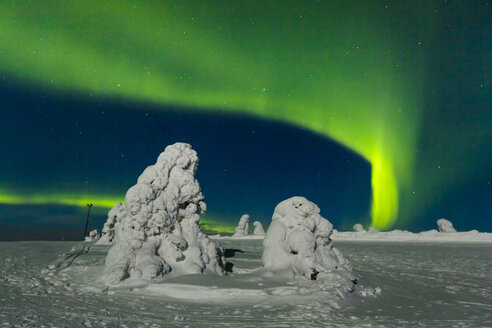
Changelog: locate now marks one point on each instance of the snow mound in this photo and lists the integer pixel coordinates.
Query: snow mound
(358, 227)
(156, 231)
(372, 230)
(259, 231)
(445, 226)
(298, 244)
(242, 228)
(93, 236)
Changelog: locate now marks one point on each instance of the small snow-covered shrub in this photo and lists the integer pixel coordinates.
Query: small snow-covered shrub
(259, 231)
(242, 228)
(445, 226)
(358, 227)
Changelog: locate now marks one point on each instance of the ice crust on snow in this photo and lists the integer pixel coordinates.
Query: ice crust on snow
(297, 243)
(242, 228)
(156, 231)
(358, 227)
(445, 225)
(258, 231)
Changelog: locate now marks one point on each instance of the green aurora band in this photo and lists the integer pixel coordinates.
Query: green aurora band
(103, 204)
(334, 67)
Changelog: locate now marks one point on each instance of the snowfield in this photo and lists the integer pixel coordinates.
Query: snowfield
(407, 236)
(58, 284)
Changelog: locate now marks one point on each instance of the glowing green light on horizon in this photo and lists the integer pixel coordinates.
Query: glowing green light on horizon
(320, 71)
(100, 203)
(69, 200)
(385, 194)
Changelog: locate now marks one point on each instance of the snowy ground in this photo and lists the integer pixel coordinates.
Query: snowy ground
(407, 236)
(54, 284)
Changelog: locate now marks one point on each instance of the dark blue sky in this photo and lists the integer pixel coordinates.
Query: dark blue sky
(63, 143)
(56, 142)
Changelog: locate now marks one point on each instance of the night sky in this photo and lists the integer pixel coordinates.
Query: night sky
(379, 112)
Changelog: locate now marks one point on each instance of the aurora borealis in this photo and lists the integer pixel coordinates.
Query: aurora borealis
(377, 77)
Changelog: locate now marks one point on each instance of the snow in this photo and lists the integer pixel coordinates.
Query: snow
(358, 227)
(242, 228)
(430, 236)
(258, 231)
(156, 232)
(56, 284)
(114, 217)
(407, 236)
(93, 236)
(445, 226)
(245, 237)
(297, 244)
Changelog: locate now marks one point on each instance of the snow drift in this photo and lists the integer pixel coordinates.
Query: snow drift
(242, 228)
(156, 231)
(298, 244)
